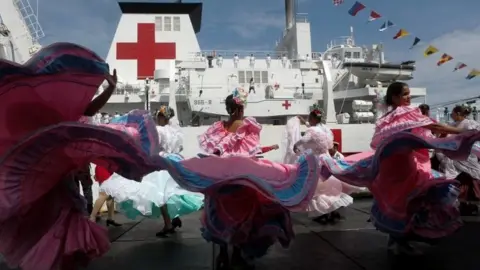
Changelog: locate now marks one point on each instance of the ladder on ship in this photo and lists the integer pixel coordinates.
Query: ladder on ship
(31, 22)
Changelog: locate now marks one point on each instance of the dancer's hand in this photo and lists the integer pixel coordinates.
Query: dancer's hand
(275, 147)
(112, 79)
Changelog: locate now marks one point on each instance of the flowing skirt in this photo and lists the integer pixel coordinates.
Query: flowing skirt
(248, 201)
(156, 190)
(411, 200)
(36, 187)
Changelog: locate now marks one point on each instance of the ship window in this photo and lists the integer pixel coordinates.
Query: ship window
(249, 75)
(176, 23)
(256, 77)
(356, 55)
(347, 54)
(168, 23)
(158, 23)
(241, 77)
(264, 76)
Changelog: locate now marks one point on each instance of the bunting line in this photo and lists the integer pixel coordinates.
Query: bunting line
(359, 7)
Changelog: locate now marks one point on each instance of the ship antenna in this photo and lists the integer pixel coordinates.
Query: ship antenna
(352, 36)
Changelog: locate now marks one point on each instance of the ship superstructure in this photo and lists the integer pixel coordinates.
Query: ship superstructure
(159, 61)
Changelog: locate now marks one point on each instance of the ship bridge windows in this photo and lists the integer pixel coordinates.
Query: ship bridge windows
(158, 23)
(241, 77)
(167, 23)
(264, 76)
(356, 55)
(348, 54)
(176, 23)
(244, 76)
(256, 77)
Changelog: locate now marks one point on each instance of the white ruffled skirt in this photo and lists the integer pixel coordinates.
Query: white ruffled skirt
(145, 198)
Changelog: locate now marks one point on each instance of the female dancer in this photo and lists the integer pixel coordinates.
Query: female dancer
(57, 86)
(247, 200)
(465, 171)
(330, 194)
(157, 194)
(412, 202)
(101, 175)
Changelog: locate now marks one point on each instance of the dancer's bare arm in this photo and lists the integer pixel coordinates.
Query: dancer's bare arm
(97, 103)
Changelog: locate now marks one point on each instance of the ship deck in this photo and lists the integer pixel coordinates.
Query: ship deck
(352, 244)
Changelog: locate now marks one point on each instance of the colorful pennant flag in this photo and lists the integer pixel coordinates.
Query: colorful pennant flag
(337, 2)
(474, 73)
(401, 33)
(459, 65)
(445, 58)
(415, 42)
(374, 16)
(356, 8)
(430, 50)
(386, 25)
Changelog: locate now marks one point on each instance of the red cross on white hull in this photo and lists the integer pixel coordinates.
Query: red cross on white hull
(145, 50)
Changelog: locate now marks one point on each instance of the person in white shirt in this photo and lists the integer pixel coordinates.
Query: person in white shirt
(269, 60)
(252, 60)
(284, 60)
(334, 152)
(219, 61)
(235, 61)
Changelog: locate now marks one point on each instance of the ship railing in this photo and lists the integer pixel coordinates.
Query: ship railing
(259, 55)
(337, 42)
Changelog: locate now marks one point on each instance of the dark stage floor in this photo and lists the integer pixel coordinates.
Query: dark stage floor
(351, 244)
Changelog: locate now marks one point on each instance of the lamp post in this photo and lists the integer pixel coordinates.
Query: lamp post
(147, 94)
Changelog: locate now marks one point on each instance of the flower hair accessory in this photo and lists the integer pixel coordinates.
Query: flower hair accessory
(240, 96)
(164, 110)
(317, 112)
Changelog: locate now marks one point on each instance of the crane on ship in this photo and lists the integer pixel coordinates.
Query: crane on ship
(20, 30)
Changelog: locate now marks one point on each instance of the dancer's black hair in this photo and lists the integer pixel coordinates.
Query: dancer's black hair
(316, 114)
(393, 90)
(231, 105)
(462, 110)
(424, 108)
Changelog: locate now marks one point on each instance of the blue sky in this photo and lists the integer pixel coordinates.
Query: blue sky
(453, 26)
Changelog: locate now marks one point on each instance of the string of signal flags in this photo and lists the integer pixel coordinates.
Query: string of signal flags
(358, 8)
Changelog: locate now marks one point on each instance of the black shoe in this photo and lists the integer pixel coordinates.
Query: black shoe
(176, 223)
(165, 232)
(111, 222)
(222, 263)
(323, 219)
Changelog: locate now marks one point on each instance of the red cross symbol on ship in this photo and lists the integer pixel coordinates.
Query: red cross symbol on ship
(286, 104)
(146, 50)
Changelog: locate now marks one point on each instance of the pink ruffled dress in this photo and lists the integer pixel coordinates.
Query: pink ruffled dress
(411, 200)
(330, 194)
(43, 225)
(247, 200)
(244, 142)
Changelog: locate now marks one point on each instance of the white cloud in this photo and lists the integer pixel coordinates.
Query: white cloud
(443, 84)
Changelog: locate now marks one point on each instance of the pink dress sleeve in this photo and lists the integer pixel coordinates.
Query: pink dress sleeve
(403, 118)
(244, 142)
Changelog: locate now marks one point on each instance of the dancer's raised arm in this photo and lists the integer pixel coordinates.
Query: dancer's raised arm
(102, 99)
